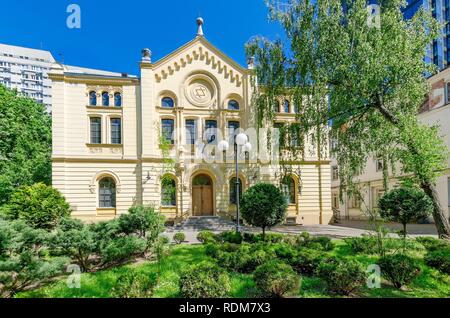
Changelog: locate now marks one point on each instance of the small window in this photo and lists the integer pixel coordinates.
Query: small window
(167, 129)
(335, 173)
(167, 102)
(211, 131)
(233, 105)
(93, 99)
(379, 164)
(233, 190)
(286, 106)
(107, 193)
(191, 131)
(168, 193)
(355, 202)
(233, 127)
(118, 99)
(288, 187)
(335, 200)
(105, 99)
(116, 131)
(276, 107)
(282, 134)
(96, 130)
(296, 108)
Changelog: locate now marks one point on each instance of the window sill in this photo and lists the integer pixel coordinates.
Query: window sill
(106, 211)
(105, 145)
(117, 109)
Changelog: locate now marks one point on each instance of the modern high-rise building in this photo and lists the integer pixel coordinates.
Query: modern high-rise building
(26, 70)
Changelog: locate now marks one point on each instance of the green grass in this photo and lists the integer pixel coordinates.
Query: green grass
(430, 283)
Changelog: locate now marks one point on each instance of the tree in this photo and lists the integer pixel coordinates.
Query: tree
(25, 143)
(405, 205)
(367, 81)
(39, 205)
(264, 205)
(23, 258)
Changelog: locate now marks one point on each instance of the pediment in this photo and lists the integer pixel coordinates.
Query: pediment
(202, 50)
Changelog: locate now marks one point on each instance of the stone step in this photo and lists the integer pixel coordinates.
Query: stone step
(206, 223)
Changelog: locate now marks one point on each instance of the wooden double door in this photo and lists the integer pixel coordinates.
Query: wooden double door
(202, 196)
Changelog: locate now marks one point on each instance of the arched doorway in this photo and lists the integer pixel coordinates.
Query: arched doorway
(202, 196)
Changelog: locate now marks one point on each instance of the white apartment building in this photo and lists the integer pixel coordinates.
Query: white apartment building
(26, 70)
(435, 111)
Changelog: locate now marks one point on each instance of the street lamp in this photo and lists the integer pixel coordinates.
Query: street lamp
(240, 140)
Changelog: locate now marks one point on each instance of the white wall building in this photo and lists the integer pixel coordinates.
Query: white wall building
(26, 70)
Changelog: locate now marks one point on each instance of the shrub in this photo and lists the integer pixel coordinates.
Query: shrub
(342, 276)
(284, 251)
(439, 259)
(263, 205)
(74, 239)
(230, 237)
(206, 237)
(142, 221)
(122, 248)
(432, 244)
(134, 285)
(204, 280)
(399, 269)
(269, 237)
(315, 242)
(405, 205)
(179, 237)
(276, 279)
(39, 205)
(306, 261)
(211, 249)
(365, 244)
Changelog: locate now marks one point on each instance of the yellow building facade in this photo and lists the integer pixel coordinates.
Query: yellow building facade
(108, 130)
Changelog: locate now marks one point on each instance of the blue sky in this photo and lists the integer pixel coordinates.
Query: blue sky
(113, 33)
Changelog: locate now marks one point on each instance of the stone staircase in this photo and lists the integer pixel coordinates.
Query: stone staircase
(210, 223)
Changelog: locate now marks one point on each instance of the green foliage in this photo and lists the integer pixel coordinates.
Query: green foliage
(365, 244)
(242, 258)
(405, 205)
(230, 237)
(121, 249)
(341, 275)
(263, 205)
(306, 261)
(439, 259)
(134, 285)
(24, 259)
(179, 237)
(143, 221)
(73, 238)
(38, 205)
(276, 279)
(204, 280)
(399, 269)
(25, 143)
(206, 237)
(432, 244)
(315, 242)
(268, 237)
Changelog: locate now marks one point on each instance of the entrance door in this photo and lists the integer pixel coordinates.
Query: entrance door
(202, 196)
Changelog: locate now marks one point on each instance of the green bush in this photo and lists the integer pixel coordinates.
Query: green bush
(142, 221)
(322, 243)
(39, 205)
(212, 250)
(341, 275)
(306, 261)
(366, 244)
(439, 259)
(230, 237)
(399, 269)
(285, 251)
(179, 237)
(204, 280)
(276, 279)
(269, 238)
(121, 249)
(206, 237)
(134, 285)
(263, 205)
(432, 244)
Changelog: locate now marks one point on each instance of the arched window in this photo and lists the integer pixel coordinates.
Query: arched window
(168, 192)
(105, 99)
(233, 105)
(92, 98)
(167, 102)
(288, 187)
(107, 193)
(118, 99)
(233, 190)
(286, 106)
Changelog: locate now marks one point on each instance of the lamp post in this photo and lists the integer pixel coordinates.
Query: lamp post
(240, 140)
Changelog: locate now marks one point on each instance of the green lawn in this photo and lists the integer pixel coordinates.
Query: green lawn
(430, 283)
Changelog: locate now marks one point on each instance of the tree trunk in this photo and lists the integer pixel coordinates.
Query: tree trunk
(439, 215)
(264, 233)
